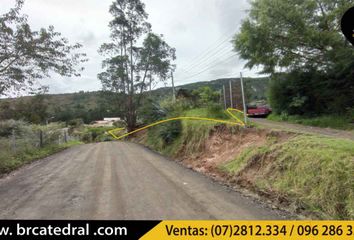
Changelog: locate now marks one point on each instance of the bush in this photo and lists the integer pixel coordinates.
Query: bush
(215, 110)
(25, 145)
(74, 123)
(86, 137)
(165, 134)
(176, 108)
(288, 94)
(206, 96)
(170, 131)
(7, 127)
(120, 124)
(95, 134)
(311, 93)
(151, 111)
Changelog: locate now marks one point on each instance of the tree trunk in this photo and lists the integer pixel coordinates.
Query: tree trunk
(131, 117)
(131, 114)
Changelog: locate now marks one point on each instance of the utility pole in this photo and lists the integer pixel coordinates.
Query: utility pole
(173, 88)
(224, 93)
(231, 100)
(243, 99)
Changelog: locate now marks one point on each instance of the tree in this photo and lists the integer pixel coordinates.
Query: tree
(129, 68)
(26, 55)
(288, 34)
(37, 111)
(301, 38)
(206, 96)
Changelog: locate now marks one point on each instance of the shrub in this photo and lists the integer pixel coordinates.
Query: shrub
(120, 124)
(215, 110)
(86, 137)
(151, 111)
(170, 131)
(6, 127)
(206, 96)
(76, 122)
(176, 108)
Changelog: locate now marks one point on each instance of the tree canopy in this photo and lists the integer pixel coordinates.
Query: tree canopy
(303, 38)
(131, 67)
(27, 55)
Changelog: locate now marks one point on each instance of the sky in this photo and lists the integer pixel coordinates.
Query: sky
(200, 30)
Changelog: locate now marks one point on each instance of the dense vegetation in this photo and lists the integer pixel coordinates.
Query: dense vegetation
(300, 44)
(308, 172)
(21, 143)
(186, 135)
(311, 173)
(136, 58)
(87, 106)
(92, 106)
(27, 55)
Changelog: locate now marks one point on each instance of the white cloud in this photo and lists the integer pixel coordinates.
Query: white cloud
(191, 26)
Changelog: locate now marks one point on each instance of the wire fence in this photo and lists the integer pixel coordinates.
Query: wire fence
(19, 137)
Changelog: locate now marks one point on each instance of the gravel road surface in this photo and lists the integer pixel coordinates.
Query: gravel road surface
(304, 129)
(119, 180)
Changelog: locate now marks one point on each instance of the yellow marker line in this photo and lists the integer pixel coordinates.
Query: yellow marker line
(228, 111)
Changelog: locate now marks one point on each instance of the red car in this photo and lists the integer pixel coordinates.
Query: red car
(258, 111)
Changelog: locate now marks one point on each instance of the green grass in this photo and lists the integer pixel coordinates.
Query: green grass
(241, 161)
(315, 172)
(193, 133)
(10, 161)
(206, 113)
(329, 121)
(96, 134)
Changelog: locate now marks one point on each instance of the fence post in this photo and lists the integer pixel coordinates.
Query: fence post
(231, 97)
(243, 99)
(40, 138)
(224, 93)
(65, 137)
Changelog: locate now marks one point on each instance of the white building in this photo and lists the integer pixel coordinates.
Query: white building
(106, 122)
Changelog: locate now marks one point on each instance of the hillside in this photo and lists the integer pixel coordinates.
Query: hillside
(256, 88)
(91, 106)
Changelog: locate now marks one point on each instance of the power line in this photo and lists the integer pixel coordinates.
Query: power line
(211, 67)
(216, 55)
(210, 53)
(217, 42)
(220, 59)
(211, 48)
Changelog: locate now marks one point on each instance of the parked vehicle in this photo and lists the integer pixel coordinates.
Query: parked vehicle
(258, 111)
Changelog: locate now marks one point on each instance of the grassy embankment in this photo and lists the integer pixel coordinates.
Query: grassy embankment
(315, 173)
(11, 161)
(27, 151)
(191, 136)
(312, 173)
(20, 143)
(330, 121)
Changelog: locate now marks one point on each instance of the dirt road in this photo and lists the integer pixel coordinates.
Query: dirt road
(119, 180)
(304, 129)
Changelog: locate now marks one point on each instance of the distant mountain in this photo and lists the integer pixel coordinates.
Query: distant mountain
(96, 105)
(256, 88)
